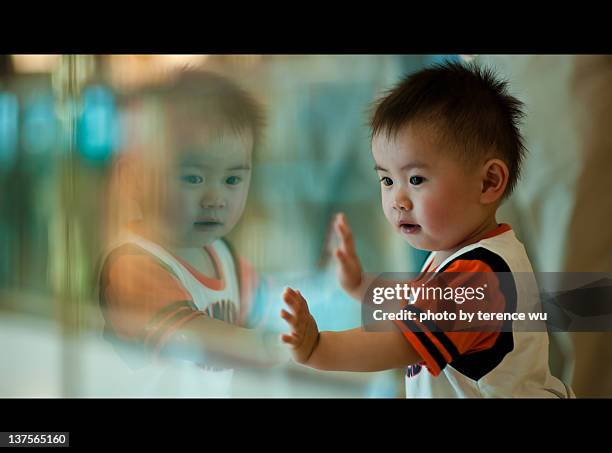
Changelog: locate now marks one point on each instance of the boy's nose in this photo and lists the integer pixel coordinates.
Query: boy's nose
(212, 203)
(401, 202)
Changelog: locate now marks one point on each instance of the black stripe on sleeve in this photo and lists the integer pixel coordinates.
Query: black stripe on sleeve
(476, 365)
(441, 336)
(159, 331)
(426, 342)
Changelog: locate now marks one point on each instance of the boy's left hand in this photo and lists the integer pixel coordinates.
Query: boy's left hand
(350, 273)
(304, 331)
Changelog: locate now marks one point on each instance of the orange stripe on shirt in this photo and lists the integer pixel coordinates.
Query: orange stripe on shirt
(468, 272)
(137, 286)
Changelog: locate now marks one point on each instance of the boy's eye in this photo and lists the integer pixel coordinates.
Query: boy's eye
(233, 180)
(416, 180)
(192, 179)
(386, 181)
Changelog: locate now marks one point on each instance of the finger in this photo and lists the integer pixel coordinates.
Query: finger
(289, 339)
(342, 258)
(346, 235)
(288, 290)
(295, 301)
(291, 320)
(290, 298)
(303, 305)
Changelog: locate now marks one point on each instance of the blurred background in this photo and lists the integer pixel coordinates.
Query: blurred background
(62, 125)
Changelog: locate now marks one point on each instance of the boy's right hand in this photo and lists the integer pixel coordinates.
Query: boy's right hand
(304, 334)
(350, 273)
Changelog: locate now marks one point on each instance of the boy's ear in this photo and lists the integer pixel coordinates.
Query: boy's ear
(494, 180)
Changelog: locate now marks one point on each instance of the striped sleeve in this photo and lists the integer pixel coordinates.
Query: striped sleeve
(143, 300)
(442, 342)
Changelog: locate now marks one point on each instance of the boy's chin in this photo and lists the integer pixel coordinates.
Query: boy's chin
(420, 244)
(196, 239)
(201, 239)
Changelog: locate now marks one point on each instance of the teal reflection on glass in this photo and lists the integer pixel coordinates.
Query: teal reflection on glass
(9, 109)
(40, 127)
(97, 127)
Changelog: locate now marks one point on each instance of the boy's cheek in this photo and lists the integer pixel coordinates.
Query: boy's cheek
(176, 214)
(388, 211)
(386, 203)
(236, 207)
(435, 218)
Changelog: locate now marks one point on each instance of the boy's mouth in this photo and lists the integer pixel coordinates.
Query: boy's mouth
(207, 225)
(409, 228)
